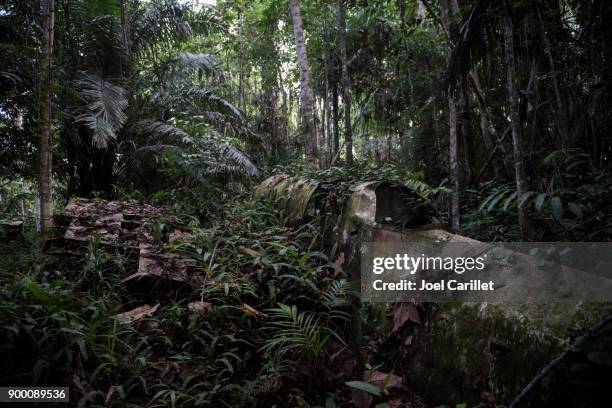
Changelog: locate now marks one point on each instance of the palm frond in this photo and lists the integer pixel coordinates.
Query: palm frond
(295, 331)
(234, 155)
(163, 131)
(160, 22)
(104, 110)
(6, 76)
(211, 97)
(202, 63)
(337, 293)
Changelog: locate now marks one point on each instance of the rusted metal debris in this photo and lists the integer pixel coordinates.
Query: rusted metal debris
(138, 230)
(351, 204)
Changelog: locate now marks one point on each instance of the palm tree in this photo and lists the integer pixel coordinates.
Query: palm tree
(132, 93)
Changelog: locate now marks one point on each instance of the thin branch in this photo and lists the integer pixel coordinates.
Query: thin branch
(498, 145)
(331, 164)
(436, 17)
(592, 332)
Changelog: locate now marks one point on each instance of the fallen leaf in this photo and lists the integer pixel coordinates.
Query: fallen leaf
(360, 398)
(398, 403)
(136, 314)
(381, 380)
(110, 394)
(82, 387)
(179, 235)
(488, 398)
(199, 307)
(251, 311)
(248, 251)
(147, 326)
(339, 261)
(404, 312)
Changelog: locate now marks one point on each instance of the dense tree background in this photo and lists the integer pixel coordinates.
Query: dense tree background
(135, 83)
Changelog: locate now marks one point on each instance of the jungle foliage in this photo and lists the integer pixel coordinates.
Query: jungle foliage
(493, 112)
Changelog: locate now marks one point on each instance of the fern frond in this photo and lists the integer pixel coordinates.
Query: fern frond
(295, 331)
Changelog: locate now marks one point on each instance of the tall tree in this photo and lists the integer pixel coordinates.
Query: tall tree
(336, 130)
(446, 13)
(44, 125)
(346, 96)
(515, 121)
(307, 105)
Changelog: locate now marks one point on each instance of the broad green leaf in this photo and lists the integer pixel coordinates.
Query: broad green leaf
(539, 201)
(599, 357)
(575, 209)
(364, 386)
(509, 200)
(496, 200)
(557, 207)
(524, 198)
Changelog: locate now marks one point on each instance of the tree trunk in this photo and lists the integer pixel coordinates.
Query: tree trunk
(346, 97)
(328, 116)
(306, 95)
(336, 119)
(515, 121)
(124, 25)
(44, 125)
(452, 124)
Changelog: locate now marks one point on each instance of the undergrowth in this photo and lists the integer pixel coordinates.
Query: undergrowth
(277, 313)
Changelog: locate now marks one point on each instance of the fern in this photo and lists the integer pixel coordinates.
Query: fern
(295, 331)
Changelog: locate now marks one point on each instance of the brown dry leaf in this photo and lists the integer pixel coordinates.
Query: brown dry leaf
(179, 235)
(149, 266)
(82, 386)
(248, 251)
(398, 403)
(251, 311)
(381, 380)
(148, 326)
(488, 398)
(403, 312)
(110, 394)
(338, 263)
(137, 313)
(361, 399)
(199, 307)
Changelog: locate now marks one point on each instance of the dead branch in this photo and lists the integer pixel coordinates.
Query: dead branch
(592, 332)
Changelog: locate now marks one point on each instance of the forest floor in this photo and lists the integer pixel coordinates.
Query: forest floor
(260, 317)
(76, 321)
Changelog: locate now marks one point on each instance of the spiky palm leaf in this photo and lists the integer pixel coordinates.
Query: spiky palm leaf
(189, 62)
(105, 105)
(160, 22)
(163, 131)
(292, 330)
